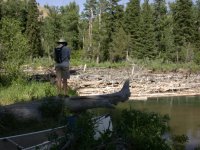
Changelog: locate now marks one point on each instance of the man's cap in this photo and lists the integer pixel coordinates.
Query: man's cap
(62, 41)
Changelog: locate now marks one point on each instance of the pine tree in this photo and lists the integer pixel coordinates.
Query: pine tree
(197, 32)
(160, 16)
(183, 28)
(69, 24)
(168, 41)
(119, 46)
(33, 30)
(113, 21)
(114, 18)
(132, 24)
(147, 49)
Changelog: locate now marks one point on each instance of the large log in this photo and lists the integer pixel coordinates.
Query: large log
(75, 104)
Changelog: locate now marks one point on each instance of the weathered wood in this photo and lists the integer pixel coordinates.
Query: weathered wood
(80, 103)
(144, 83)
(74, 104)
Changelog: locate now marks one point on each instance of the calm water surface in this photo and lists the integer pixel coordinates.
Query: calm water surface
(184, 114)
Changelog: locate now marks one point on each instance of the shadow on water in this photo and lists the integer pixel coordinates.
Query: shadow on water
(184, 113)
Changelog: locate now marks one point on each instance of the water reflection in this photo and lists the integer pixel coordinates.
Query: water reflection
(184, 114)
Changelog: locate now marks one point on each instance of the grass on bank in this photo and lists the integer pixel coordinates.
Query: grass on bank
(159, 66)
(24, 91)
(21, 90)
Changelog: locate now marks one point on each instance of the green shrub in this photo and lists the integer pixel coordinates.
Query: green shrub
(83, 132)
(132, 130)
(141, 130)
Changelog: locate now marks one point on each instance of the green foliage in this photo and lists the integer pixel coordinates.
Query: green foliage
(113, 19)
(33, 30)
(69, 24)
(154, 31)
(196, 34)
(133, 129)
(83, 132)
(39, 62)
(105, 64)
(51, 30)
(143, 130)
(147, 49)
(15, 46)
(183, 25)
(60, 22)
(167, 52)
(160, 24)
(132, 18)
(77, 57)
(88, 14)
(88, 6)
(159, 65)
(14, 9)
(119, 46)
(197, 58)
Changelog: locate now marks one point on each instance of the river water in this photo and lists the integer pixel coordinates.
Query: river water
(184, 114)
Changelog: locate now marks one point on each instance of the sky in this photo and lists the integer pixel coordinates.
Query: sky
(65, 2)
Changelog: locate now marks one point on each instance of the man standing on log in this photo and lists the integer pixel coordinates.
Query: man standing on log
(62, 59)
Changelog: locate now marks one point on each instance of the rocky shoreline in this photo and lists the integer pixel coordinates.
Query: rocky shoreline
(143, 83)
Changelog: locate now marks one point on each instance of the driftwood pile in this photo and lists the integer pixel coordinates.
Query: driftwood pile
(143, 83)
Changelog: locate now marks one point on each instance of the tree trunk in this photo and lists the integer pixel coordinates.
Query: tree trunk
(31, 109)
(99, 43)
(177, 56)
(90, 33)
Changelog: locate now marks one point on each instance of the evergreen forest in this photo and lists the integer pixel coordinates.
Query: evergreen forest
(104, 31)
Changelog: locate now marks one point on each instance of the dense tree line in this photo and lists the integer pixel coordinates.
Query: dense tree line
(103, 31)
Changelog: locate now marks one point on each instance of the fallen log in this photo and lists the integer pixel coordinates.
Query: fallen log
(31, 109)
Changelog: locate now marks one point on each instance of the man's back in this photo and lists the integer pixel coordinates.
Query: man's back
(65, 54)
